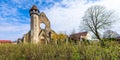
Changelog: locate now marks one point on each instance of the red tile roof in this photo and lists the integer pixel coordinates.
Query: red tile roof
(77, 36)
(5, 41)
(81, 34)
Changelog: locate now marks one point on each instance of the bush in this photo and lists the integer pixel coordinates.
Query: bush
(92, 51)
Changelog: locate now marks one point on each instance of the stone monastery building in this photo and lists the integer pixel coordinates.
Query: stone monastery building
(36, 33)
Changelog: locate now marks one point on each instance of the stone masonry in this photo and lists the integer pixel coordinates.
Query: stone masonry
(36, 33)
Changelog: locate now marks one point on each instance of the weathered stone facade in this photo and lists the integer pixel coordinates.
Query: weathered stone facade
(36, 33)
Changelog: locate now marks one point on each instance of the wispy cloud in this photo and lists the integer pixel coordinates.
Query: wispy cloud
(64, 15)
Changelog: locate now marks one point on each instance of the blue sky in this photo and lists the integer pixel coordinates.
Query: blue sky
(64, 15)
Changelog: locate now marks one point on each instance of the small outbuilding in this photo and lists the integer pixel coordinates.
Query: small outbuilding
(79, 36)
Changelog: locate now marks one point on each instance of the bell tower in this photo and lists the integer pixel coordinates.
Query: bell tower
(37, 34)
(34, 26)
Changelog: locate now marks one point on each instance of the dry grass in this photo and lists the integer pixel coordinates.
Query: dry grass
(92, 51)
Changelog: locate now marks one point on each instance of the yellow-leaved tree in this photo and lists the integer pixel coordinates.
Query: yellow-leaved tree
(58, 37)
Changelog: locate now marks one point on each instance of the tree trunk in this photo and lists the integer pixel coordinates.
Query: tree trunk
(100, 40)
(98, 37)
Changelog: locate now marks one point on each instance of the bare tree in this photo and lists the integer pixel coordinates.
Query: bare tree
(97, 18)
(110, 34)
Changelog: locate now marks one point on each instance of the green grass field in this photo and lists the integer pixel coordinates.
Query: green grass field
(82, 51)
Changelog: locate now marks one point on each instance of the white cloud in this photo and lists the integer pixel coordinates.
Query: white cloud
(13, 32)
(69, 17)
(10, 26)
(64, 16)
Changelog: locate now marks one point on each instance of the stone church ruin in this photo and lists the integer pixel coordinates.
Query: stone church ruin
(38, 34)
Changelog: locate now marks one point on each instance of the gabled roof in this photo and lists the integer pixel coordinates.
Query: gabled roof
(77, 36)
(81, 33)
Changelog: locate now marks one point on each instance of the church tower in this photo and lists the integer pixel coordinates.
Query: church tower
(34, 26)
(37, 34)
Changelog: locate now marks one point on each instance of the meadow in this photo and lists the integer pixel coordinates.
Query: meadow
(70, 51)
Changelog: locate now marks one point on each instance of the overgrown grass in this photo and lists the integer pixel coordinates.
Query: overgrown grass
(82, 51)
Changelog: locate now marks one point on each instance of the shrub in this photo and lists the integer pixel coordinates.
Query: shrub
(70, 51)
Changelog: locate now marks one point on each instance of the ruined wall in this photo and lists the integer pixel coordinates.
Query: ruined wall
(26, 38)
(47, 31)
(36, 33)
